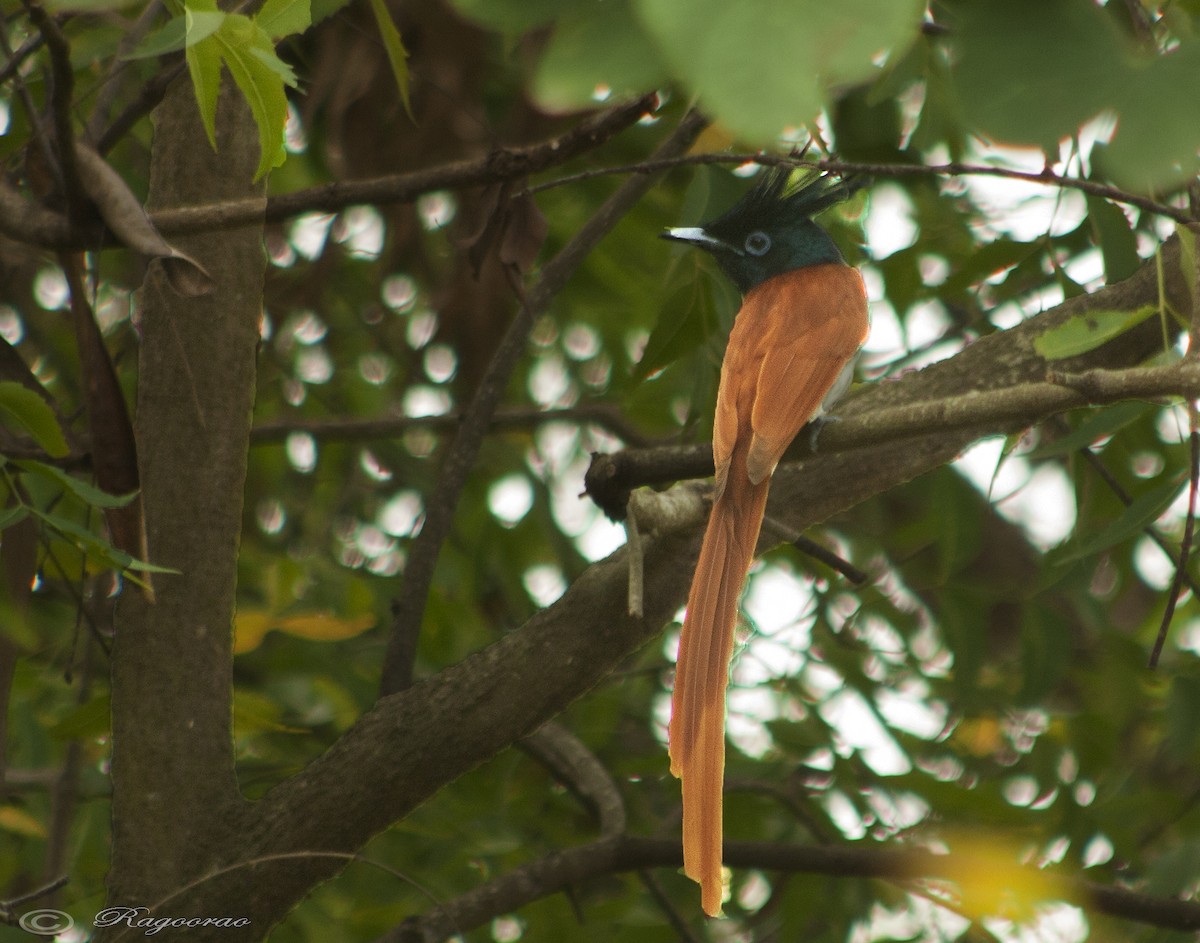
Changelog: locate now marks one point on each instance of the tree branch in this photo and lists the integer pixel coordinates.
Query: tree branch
(22, 221)
(952, 169)
(610, 478)
(344, 429)
(61, 104)
(561, 870)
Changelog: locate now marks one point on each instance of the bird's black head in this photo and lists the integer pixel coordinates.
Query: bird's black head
(770, 230)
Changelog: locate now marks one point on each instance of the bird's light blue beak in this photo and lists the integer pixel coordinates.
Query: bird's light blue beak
(695, 236)
(692, 234)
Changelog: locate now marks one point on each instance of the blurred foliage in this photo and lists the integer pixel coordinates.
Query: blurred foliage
(986, 691)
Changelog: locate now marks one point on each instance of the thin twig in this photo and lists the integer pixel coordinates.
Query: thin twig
(460, 459)
(580, 770)
(64, 794)
(61, 103)
(1189, 528)
(146, 100)
(660, 896)
(1127, 499)
(16, 59)
(361, 430)
(110, 87)
(44, 149)
(952, 169)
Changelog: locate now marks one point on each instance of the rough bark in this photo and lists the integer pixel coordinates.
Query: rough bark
(176, 806)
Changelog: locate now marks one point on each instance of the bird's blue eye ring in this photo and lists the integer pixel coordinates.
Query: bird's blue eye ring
(758, 243)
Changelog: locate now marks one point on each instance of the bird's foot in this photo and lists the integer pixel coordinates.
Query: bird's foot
(815, 426)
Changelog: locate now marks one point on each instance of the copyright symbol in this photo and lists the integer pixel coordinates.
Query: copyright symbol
(45, 922)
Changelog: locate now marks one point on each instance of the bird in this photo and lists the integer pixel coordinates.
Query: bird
(790, 354)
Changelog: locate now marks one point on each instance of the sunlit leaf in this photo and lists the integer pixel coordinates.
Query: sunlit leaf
(204, 65)
(280, 18)
(179, 32)
(992, 881)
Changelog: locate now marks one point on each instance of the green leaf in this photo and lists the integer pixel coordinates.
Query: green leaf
(279, 18)
(1088, 331)
(22, 410)
(1035, 86)
(272, 61)
(254, 712)
(99, 549)
(89, 6)
(600, 48)
(986, 261)
(178, 33)
(85, 721)
(204, 66)
(676, 332)
(88, 494)
(245, 47)
(1157, 136)
(246, 51)
(323, 9)
(396, 53)
(1144, 511)
(1104, 423)
(514, 17)
(1187, 258)
(13, 515)
(1114, 236)
(1183, 717)
(761, 66)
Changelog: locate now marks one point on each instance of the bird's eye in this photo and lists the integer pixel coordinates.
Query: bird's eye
(758, 243)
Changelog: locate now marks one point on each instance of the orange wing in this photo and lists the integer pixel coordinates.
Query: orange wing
(803, 328)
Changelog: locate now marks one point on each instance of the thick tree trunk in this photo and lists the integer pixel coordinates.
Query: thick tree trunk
(176, 804)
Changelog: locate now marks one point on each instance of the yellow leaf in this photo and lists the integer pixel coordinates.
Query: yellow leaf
(982, 736)
(993, 883)
(251, 626)
(325, 627)
(17, 820)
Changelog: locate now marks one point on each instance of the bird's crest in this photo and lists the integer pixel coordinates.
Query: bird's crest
(779, 194)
